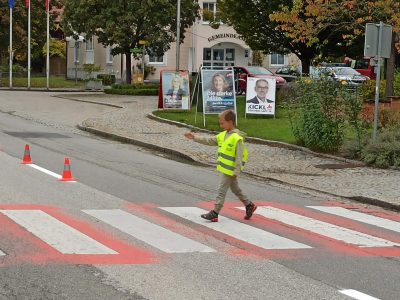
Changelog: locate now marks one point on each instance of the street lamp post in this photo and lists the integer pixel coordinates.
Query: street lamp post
(178, 33)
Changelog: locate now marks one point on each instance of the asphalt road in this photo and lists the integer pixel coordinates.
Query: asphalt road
(139, 182)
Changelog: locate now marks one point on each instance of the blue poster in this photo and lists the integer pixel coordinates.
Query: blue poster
(218, 91)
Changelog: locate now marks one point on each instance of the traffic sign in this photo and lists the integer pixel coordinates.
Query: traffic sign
(375, 33)
(143, 42)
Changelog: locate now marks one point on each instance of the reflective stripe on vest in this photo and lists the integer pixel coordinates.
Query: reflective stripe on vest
(227, 153)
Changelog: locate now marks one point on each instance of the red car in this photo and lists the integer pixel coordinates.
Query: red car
(241, 74)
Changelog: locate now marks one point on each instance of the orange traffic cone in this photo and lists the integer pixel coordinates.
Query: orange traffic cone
(67, 175)
(27, 156)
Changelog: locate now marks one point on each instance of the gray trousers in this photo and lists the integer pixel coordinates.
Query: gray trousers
(225, 183)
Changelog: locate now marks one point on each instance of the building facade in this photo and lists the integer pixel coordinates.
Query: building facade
(203, 46)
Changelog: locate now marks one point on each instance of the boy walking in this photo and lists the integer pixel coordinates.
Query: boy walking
(232, 155)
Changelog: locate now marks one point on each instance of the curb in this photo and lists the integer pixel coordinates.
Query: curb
(127, 140)
(270, 143)
(51, 90)
(88, 101)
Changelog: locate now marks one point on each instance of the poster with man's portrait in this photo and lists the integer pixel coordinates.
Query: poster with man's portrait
(260, 96)
(175, 89)
(218, 91)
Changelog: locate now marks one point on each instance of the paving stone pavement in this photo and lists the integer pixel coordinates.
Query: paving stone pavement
(296, 167)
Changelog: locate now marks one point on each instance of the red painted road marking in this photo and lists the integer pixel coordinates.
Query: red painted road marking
(38, 252)
(23, 247)
(316, 240)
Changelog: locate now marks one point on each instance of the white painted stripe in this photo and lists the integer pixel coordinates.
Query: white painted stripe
(48, 172)
(249, 234)
(361, 217)
(2, 253)
(357, 295)
(326, 229)
(45, 171)
(152, 234)
(60, 236)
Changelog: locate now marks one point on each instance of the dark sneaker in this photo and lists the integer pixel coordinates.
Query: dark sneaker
(211, 216)
(250, 209)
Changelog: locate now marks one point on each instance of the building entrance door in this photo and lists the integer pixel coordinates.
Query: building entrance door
(223, 57)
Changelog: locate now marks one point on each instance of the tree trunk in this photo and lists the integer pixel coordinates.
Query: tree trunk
(305, 54)
(128, 65)
(390, 68)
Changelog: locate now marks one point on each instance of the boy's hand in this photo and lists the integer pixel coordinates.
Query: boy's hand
(189, 135)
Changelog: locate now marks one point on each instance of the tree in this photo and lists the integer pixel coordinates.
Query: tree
(20, 30)
(251, 19)
(122, 24)
(310, 21)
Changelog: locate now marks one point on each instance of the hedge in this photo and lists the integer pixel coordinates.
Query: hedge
(132, 92)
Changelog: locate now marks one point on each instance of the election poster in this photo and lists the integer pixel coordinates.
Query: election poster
(175, 89)
(218, 91)
(260, 96)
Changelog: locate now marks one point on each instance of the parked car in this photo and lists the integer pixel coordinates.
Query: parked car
(340, 74)
(289, 73)
(365, 66)
(241, 74)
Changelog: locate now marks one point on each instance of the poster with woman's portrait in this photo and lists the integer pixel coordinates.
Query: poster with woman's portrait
(218, 91)
(175, 89)
(260, 96)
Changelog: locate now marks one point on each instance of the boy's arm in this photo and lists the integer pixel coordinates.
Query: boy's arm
(211, 141)
(238, 158)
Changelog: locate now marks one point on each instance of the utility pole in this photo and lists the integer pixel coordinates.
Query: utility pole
(178, 33)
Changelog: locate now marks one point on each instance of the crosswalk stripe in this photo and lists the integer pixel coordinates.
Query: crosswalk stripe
(326, 229)
(57, 234)
(152, 234)
(240, 231)
(358, 216)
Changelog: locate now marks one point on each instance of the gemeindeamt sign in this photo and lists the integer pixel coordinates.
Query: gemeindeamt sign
(225, 36)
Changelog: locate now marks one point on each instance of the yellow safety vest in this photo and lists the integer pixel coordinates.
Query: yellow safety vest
(227, 153)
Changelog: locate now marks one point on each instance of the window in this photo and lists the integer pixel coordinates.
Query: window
(218, 54)
(90, 51)
(277, 59)
(76, 53)
(109, 56)
(218, 57)
(230, 54)
(156, 60)
(207, 54)
(209, 11)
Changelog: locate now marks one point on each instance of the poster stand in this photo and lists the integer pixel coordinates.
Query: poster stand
(246, 99)
(183, 81)
(199, 83)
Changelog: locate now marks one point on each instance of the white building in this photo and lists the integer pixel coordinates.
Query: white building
(203, 45)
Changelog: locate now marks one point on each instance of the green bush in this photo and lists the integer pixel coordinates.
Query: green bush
(396, 83)
(107, 79)
(317, 114)
(15, 68)
(135, 86)
(385, 152)
(368, 88)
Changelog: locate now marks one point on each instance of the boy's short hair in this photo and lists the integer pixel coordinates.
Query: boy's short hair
(229, 115)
